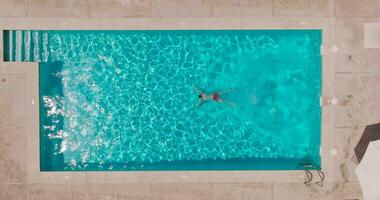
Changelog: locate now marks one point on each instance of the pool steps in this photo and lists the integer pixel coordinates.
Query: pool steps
(26, 46)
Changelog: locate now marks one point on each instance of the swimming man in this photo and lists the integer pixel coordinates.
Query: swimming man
(215, 96)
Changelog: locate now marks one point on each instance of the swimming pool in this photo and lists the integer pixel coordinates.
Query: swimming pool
(125, 100)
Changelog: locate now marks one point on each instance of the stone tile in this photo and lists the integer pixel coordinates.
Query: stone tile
(329, 191)
(129, 191)
(357, 8)
(81, 191)
(58, 8)
(12, 155)
(345, 161)
(179, 8)
(18, 68)
(101, 192)
(120, 191)
(327, 143)
(32, 83)
(183, 191)
(242, 191)
(242, 8)
(90, 23)
(351, 55)
(372, 35)
(298, 191)
(359, 96)
(1, 47)
(32, 101)
(343, 113)
(295, 191)
(13, 192)
(328, 72)
(362, 61)
(349, 35)
(13, 8)
(33, 112)
(304, 8)
(49, 192)
(322, 193)
(120, 8)
(12, 100)
(349, 190)
(33, 146)
(13, 23)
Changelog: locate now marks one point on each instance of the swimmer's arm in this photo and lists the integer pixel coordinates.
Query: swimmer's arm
(198, 89)
(199, 104)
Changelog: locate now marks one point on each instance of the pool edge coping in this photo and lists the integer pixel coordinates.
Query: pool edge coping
(327, 25)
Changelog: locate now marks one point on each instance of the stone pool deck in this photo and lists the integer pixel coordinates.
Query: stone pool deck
(351, 73)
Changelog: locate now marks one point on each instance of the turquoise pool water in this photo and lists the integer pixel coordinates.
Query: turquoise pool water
(125, 100)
